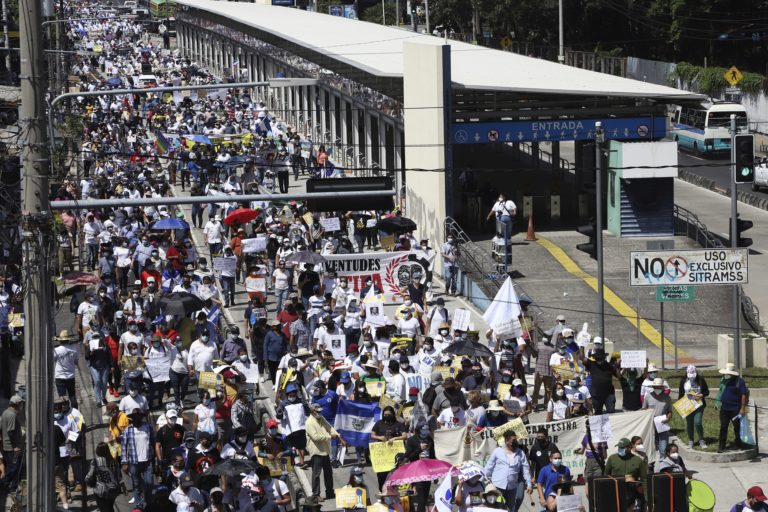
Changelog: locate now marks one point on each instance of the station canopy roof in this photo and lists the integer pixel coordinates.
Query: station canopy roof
(377, 51)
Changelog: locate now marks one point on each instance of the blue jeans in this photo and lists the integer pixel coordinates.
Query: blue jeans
(100, 379)
(514, 497)
(662, 440)
(451, 275)
(507, 221)
(180, 384)
(142, 480)
(228, 289)
(92, 255)
(281, 296)
(66, 387)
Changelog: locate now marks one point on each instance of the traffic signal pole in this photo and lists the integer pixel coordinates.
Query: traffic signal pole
(735, 244)
(599, 139)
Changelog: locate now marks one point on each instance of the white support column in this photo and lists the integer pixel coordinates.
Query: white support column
(356, 142)
(367, 140)
(343, 122)
(382, 143)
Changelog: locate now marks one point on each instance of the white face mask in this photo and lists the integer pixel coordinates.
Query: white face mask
(674, 456)
(639, 448)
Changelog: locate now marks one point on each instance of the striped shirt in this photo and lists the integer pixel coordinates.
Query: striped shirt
(137, 444)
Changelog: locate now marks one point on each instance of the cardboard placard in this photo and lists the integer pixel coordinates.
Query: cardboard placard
(350, 497)
(307, 219)
(403, 343)
(209, 380)
(503, 390)
(600, 427)
(686, 405)
(508, 329)
(407, 413)
(516, 425)
(225, 264)
(383, 454)
(445, 371)
(567, 369)
(375, 389)
(633, 358)
(568, 503)
(387, 242)
(132, 363)
(331, 224)
(460, 320)
(252, 245)
(255, 284)
(337, 345)
(278, 467)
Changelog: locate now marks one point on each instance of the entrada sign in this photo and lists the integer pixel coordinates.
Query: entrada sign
(696, 267)
(552, 130)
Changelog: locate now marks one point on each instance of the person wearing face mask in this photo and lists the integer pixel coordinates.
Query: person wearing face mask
(630, 381)
(369, 349)
(661, 404)
(450, 253)
(244, 414)
(204, 420)
(169, 437)
(505, 467)
(672, 462)
(388, 428)
(88, 313)
(179, 372)
(141, 254)
(328, 401)
(247, 369)
(357, 481)
(118, 421)
(123, 263)
(135, 399)
(755, 502)
(134, 306)
(275, 488)
(557, 407)
(273, 446)
(204, 456)
(469, 493)
(601, 372)
(556, 332)
(504, 211)
(437, 317)
(732, 400)
(647, 386)
(453, 416)
(409, 325)
(202, 352)
(541, 451)
(292, 413)
(232, 345)
(443, 337)
(624, 463)
(186, 496)
(694, 386)
(342, 294)
(367, 288)
(319, 434)
(240, 447)
(549, 477)
(137, 456)
(99, 362)
(396, 384)
(158, 362)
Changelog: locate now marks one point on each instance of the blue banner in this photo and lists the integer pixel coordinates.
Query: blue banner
(553, 130)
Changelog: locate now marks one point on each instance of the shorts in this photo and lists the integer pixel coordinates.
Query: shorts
(297, 439)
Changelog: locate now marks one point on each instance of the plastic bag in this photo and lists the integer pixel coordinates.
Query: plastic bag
(746, 432)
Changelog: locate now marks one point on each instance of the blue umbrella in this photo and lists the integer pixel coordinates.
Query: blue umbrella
(169, 224)
(115, 81)
(202, 139)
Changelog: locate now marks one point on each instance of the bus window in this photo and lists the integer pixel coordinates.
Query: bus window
(723, 119)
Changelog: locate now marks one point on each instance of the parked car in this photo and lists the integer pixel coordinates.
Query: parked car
(761, 174)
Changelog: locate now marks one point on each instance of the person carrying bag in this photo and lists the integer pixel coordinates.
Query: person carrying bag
(104, 477)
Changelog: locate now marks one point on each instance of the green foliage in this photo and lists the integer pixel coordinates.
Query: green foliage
(373, 13)
(711, 80)
(322, 5)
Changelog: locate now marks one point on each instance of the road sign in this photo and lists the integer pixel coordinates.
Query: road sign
(506, 42)
(696, 267)
(675, 293)
(617, 128)
(733, 76)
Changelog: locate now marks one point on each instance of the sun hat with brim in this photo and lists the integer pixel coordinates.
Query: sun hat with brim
(658, 382)
(730, 369)
(273, 323)
(64, 335)
(303, 352)
(494, 405)
(652, 368)
(371, 365)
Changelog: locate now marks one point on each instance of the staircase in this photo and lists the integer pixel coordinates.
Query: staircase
(647, 208)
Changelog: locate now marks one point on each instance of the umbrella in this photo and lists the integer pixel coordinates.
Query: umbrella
(422, 470)
(115, 81)
(241, 216)
(392, 224)
(231, 467)
(80, 278)
(468, 348)
(169, 224)
(306, 257)
(180, 304)
(202, 139)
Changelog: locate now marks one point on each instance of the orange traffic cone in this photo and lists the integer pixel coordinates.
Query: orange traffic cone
(531, 237)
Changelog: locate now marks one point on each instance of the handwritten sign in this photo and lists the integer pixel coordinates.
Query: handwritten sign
(252, 245)
(686, 405)
(255, 284)
(375, 389)
(567, 369)
(331, 224)
(568, 503)
(387, 401)
(225, 264)
(209, 380)
(460, 320)
(383, 454)
(503, 390)
(633, 358)
(508, 329)
(516, 425)
(350, 497)
(445, 371)
(600, 427)
(387, 242)
(307, 217)
(158, 368)
(278, 467)
(133, 363)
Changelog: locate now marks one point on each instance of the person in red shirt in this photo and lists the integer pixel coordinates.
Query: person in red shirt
(114, 372)
(286, 317)
(149, 271)
(176, 254)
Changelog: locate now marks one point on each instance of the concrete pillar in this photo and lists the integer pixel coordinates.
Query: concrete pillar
(323, 117)
(332, 113)
(427, 102)
(368, 150)
(343, 118)
(382, 143)
(356, 142)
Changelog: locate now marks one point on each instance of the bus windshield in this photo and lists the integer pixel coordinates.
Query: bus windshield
(723, 119)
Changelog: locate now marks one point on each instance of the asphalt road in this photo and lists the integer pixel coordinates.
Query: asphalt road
(716, 169)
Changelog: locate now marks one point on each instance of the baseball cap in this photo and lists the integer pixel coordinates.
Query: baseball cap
(272, 423)
(151, 279)
(413, 390)
(756, 493)
(344, 377)
(623, 442)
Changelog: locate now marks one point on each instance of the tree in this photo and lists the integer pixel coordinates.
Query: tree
(373, 13)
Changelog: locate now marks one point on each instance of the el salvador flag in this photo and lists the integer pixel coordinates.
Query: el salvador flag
(354, 421)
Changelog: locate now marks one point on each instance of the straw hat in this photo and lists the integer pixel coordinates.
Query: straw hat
(658, 382)
(494, 405)
(730, 369)
(64, 336)
(652, 368)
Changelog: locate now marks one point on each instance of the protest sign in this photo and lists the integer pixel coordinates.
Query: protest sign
(390, 271)
(515, 425)
(567, 369)
(209, 380)
(375, 389)
(600, 427)
(661, 424)
(331, 224)
(469, 470)
(251, 245)
(460, 320)
(386, 400)
(350, 497)
(686, 406)
(255, 284)
(374, 313)
(225, 264)
(115, 448)
(633, 358)
(568, 503)
(508, 329)
(338, 345)
(383, 454)
(401, 342)
(133, 363)
(158, 368)
(278, 467)
(445, 371)
(387, 242)
(503, 390)
(407, 413)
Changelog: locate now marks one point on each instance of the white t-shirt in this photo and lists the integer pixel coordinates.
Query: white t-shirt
(129, 403)
(201, 355)
(87, 312)
(281, 279)
(65, 362)
(504, 208)
(206, 417)
(178, 497)
(248, 370)
(408, 327)
(449, 419)
(558, 409)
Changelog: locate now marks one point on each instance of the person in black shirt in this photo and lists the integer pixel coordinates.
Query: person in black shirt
(387, 429)
(602, 372)
(631, 384)
(307, 282)
(541, 449)
(359, 220)
(168, 438)
(201, 458)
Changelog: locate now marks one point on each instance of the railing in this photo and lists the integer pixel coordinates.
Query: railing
(546, 156)
(686, 222)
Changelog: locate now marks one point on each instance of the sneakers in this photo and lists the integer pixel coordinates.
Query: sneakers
(690, 445)
(132, 501)
(702, 444)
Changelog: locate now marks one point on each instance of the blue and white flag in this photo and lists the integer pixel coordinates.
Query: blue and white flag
(354, 421)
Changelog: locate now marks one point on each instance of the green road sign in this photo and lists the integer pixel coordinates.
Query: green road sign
(675, 293)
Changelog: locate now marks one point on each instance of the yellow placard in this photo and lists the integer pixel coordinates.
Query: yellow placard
(407, 413)
(209, 380)
(307, 218)
(132, 363)
(383, 454)
(350, 497)
(445, 371)
(375, 389)
(403, 343)
(115, 448)
(387, 242)
(286, 376)
(503, 390)
(686, 406)
(516, 425)
(567, 369)
(279, 466)
(379, 507)
(387, 400)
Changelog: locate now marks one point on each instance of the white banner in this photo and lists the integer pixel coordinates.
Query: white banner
(390, 271)
(158, 368)
(251, 245)
(225, 264)
(450, 445)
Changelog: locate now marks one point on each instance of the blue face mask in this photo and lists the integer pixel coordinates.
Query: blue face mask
(557, 462)
(622, 452)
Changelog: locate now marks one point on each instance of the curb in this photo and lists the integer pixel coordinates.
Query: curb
(699, 456)
(709, 184)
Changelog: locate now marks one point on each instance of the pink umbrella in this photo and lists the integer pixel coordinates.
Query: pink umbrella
(422, 470)
(80, 278)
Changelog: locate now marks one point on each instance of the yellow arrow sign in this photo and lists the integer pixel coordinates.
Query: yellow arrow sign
(733, 76)
(506, 42)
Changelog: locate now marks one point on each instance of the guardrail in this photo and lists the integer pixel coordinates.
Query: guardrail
(688, 223)
(546, 156)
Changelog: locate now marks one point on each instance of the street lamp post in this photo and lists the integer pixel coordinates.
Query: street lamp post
(560, 47)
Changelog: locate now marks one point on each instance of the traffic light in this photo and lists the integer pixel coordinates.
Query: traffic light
(741, 226)
(589, 230)
(745, 158)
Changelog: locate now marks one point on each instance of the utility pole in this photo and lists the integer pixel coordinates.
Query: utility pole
(561, 44)
(735, 245)
(599, 139)
(37, 254)
(426, 14)
(6, 39)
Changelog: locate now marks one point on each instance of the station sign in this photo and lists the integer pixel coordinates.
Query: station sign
(555, 130)
(675, 293)
(695, 267)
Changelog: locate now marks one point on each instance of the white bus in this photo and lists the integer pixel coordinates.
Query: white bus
(703, 129)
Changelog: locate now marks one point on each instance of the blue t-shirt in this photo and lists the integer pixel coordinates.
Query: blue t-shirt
(329, 401)
(548, 477)
(731, 397)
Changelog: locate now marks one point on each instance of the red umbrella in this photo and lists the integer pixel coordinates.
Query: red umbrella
(422, 470)
(80, 278)
(241, 216)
